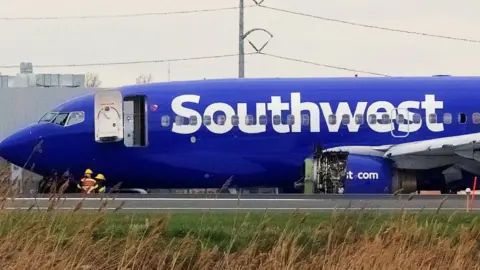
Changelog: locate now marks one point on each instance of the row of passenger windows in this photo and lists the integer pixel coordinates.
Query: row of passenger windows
(332, 119)
(73, 118)
(63, 118)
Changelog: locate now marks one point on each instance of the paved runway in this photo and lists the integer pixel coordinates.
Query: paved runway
(230, 203)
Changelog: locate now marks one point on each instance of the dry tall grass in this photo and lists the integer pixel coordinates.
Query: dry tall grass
(345, 240)
(54, 240)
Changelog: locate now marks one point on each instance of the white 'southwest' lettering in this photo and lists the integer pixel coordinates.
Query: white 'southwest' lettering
(298, 107)
(380, 108)
(403, 109)
(185, 112)
(276, 107)
(342, 109)
(227, 111)
(255, 127)
(430, 105)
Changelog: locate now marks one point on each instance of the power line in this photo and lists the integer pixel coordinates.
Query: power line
(233, 8)
(323, 65)
(120, 15)
(131, 62)
(200, 58)
(369, 26)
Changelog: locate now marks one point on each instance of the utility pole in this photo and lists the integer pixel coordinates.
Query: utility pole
(241, 47)
(242, 36)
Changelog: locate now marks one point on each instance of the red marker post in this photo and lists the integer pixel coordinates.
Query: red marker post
(473, 191)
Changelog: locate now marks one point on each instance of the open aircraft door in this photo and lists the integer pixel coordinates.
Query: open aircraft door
(400, 123)
(108, 116)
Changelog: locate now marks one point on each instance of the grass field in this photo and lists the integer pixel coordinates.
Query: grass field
(342, 240)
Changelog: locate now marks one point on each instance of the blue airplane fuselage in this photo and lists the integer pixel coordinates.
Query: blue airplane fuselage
(196, 155)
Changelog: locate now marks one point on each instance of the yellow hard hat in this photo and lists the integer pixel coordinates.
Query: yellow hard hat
(88, 171)
(100, 177)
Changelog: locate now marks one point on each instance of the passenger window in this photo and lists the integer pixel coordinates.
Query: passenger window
(447, 118)
(179, 120)
(277, 120)
(249, 120)
(165, 121)
(462, 118)
(372, 119)
(359, 119)
(332, 119)
(262, 119)
(61, 119)
(417, 118)
(345, 119)
(48, 117)
(207, 120)
(385, 118)
(290, 119)
(221, 120)
(432, 118)
(75, 118)
(305, 119)
(400, 119)
(235, 120)
(193, 120)
(476, 118)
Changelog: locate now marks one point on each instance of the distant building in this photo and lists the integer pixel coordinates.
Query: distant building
(26, 78)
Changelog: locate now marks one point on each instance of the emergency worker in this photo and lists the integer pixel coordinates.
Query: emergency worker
(88, 173)
(87, 183)
(100, 183)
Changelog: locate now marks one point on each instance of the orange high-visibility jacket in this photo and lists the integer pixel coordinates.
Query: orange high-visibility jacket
(89, 182)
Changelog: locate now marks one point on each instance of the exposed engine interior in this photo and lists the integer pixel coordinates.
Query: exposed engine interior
(330, 169)
(324, 173)
(341, 172)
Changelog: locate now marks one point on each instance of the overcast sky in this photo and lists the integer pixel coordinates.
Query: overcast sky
(214, 33)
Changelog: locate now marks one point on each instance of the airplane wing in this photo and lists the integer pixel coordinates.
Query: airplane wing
(463, 145)
(460, 151)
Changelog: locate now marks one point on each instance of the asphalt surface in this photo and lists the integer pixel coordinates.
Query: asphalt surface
(231, 203)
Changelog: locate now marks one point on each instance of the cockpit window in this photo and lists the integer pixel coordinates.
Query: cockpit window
(75, 118)
(61, 119)
(48, 117)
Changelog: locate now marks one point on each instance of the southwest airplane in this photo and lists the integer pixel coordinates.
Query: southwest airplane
(350, 135)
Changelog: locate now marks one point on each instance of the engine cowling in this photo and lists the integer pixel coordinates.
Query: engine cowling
(367, 174)
(341, 172)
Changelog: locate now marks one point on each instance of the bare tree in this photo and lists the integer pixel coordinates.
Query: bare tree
(144, 79)
(92, 80)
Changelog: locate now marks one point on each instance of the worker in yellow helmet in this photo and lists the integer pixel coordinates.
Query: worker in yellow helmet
(86, 178)
(100, 183)
(88, 173)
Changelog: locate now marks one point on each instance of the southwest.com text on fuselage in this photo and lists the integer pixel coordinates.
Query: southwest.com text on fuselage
(362, 175)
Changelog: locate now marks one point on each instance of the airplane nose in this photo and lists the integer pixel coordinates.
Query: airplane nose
(18, 147)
